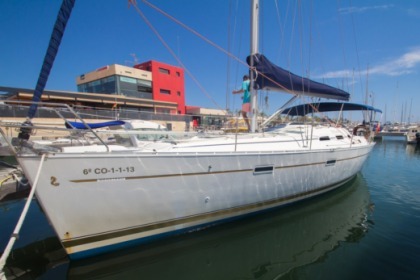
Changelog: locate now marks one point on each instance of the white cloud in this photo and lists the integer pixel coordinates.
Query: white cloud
(336, 74)
(413, 12)
(359, 10)
(400, 66)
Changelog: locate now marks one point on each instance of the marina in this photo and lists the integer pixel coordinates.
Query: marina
(123, 179)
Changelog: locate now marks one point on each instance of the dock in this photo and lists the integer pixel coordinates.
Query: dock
(392, 133)
(381, 134)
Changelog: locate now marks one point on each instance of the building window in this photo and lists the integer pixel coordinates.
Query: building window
(135, 87)
(165, 91)
(164, 71)
(104, 85)
(163, 111)
(178, 93)
(178, 74)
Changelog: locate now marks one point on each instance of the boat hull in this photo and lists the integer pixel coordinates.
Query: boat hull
(112, 200)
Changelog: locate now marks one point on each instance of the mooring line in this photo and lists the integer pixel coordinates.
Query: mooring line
(19, 224)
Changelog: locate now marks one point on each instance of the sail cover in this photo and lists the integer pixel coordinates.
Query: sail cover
(273, 77)
(79, 125)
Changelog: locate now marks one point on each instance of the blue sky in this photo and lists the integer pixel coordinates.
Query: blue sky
(361, 46)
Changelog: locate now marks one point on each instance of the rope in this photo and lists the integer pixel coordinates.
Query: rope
(19, 224)
(5, 180)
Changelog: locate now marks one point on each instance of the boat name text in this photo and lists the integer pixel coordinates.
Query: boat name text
(104, 170)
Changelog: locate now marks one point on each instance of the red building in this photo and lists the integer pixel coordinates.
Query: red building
(168, 84)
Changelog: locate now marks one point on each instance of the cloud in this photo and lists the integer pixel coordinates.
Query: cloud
(359, 10)
(413, 12)
(400, 66)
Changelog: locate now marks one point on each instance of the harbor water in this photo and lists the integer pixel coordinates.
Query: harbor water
(367, 229)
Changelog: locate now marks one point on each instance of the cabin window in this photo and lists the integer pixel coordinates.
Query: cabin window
(324, 138)
(339, 137)
(266, 169)
(330, 162)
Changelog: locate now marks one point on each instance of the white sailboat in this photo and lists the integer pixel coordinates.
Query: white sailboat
(110, 195)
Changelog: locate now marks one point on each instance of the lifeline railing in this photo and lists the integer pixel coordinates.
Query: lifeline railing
(60, 110)
(60, 114)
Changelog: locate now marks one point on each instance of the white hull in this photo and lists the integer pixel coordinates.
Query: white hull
(280, 242)
(412, 134)
(100, 201)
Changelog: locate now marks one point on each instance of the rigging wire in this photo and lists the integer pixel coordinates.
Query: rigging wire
(231, 35)
(342, 41)
(228, 58)
(341, 33)
(189, 29)
(173, 53)
(357, 49)
(278, 17)
(291, 39)
(239, 48)
(134, 4)
(300, 24)
(203, 38)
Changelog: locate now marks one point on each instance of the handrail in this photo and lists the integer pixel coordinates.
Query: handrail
(67, 107)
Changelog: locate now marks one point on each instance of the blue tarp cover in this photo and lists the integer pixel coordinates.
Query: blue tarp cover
(273, 77)
(304, 109)
(80, 125)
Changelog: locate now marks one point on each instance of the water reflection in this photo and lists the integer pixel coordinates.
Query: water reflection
(413, 150)
(264, 247)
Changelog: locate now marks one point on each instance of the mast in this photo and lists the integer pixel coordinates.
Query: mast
(254, 50)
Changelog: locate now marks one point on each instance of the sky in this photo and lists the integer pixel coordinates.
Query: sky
(369, 48)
